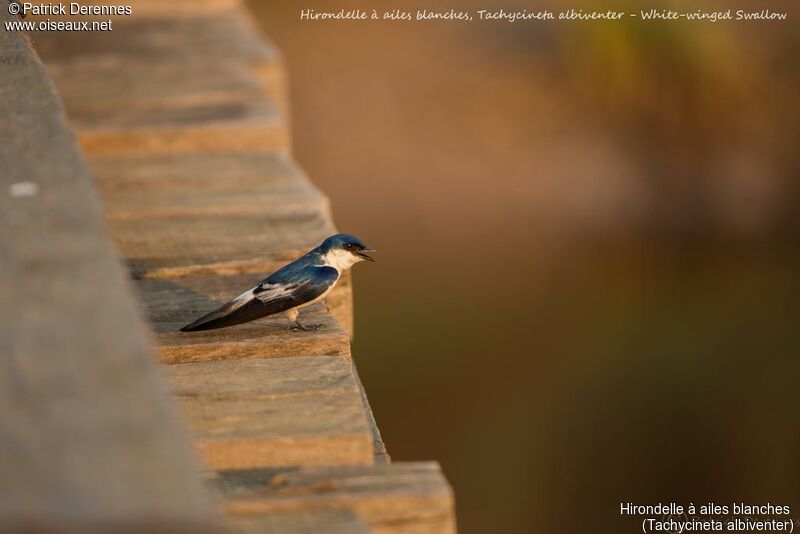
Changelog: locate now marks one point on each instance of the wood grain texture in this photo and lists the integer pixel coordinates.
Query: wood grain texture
(174, 302)
(316, 522)
(217, 40)
(206, 33)
(171, 85)
(89, 437)
(204, 184)
(237, 126)
(275, 412)
(218, 243)
(230, 35)
(139, 85)
(401, 497)
(379, 447)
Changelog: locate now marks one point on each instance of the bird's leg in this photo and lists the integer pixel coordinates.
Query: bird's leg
(292, 315)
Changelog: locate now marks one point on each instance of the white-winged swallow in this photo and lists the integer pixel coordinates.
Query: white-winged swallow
(292, 287)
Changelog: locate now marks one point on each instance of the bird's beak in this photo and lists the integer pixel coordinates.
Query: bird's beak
(362, 253)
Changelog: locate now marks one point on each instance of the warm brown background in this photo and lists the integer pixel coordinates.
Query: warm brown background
(587, 283)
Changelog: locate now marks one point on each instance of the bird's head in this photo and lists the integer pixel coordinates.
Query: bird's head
(342, 251)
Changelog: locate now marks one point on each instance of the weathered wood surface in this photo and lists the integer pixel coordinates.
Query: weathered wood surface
(275, 412)
(192, 127)
(170, 85)
(174, 302)
(230, 35)
(401, 497)
(204, 184)
(316, 522)
(217, 243)
(134, 87)
(381, 455)
(209, 36)
(89, 438)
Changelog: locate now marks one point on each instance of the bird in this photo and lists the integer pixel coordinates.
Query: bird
(296, 285)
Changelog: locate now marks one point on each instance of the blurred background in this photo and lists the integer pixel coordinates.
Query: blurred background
(587, 287)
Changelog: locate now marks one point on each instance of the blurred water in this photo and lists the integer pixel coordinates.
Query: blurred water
(587, 283)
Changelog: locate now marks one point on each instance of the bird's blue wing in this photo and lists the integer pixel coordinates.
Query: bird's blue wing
(289, 290)
(302, 268)
(281, 291)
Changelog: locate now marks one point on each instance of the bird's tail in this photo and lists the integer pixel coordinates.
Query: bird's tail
(234, 312)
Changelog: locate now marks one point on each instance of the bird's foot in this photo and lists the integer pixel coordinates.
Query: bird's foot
(306, 327)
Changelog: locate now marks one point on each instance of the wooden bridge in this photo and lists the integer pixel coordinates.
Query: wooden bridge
(174, 153)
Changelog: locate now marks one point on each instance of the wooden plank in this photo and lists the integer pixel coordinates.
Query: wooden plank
(169, 76)
(275, 412)
(401, 497)
(155, 94)
(218, 243)
(235, 126)
(203, 184)
(89, 438)
(103, 86)
(231, 35)
(174, 302)
(378, 446)
(220, 36)
(316, 522)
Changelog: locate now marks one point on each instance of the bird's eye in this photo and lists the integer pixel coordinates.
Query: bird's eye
(349, 245)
